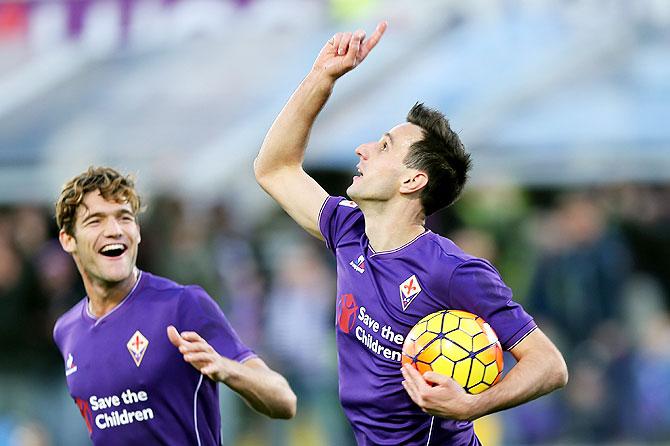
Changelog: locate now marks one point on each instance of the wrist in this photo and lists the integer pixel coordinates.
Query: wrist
(318, 78)
(475, 407)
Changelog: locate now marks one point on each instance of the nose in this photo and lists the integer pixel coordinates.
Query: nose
(363, 150)
(112, 228)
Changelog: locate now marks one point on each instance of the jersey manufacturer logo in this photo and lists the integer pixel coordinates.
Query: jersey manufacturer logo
(359, 265)
(137, 346)
(346, 312)
(70, 367)
(347, 203)
(409, 289)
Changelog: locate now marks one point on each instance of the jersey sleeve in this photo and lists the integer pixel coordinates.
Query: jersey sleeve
(338, 219)
(198, 312)
(477, 287)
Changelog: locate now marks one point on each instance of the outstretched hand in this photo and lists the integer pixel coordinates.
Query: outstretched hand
(438, 394)
(199, 354)
(345, 50)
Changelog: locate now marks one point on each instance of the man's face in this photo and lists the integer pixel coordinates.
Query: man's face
(106, 236)
(381, 168)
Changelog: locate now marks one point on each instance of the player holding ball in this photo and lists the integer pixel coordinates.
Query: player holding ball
(392, 271)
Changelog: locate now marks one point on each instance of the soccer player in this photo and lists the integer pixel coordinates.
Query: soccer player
(392, 271)
(143, 355)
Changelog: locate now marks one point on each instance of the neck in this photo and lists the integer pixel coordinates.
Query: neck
(103, 297)
(390, 226)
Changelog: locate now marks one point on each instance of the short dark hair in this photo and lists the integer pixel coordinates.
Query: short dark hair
(112, 186)
(441, 155)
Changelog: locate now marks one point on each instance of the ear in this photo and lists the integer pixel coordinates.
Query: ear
(67, 241)
(413, 182)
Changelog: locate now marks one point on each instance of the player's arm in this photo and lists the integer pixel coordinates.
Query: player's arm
(540, 369)
(261, 387)
(278, 166)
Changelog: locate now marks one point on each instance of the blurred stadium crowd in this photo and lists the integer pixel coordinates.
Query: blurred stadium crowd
(586, 251)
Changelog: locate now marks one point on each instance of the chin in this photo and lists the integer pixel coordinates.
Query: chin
(351, 193)
(118, 275)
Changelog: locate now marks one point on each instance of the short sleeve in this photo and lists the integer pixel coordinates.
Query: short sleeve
(198, 312)
(338, 219)
(477, 287)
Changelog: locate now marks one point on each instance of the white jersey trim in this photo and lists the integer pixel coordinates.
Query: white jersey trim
(375, 253)
(522, 338)
(195, 410)
(430, 431)
(98, 320)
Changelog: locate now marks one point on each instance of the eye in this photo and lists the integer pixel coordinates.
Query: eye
(385, 146)
(128, 218)
(92, 222)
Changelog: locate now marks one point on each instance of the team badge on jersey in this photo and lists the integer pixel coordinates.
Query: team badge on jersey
(359, 264)
(347, 203)
(409, 289)
(70, 367)
(137, 346)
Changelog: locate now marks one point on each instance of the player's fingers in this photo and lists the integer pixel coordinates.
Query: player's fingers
(198, 357)
(411, 374)
(344, 44)
(173, 336)
(437, 378)
(197, 346)
(352, 56)
(369, 44)
(418, 379)
(413, 393)
(191, 336)
(410, 380)
(335, 41)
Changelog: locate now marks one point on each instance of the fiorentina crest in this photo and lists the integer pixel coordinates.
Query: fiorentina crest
(409, 289)
(137, 346)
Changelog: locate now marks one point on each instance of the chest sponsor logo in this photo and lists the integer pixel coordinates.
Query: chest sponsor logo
(409, 289)
(347, 203)
(70, 366)
(346, 312)
(377, 336)
(137, 346)
(359, 264)
(111, 411)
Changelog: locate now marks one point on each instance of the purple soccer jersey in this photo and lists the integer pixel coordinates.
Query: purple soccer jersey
(130, 383)
(381, 296)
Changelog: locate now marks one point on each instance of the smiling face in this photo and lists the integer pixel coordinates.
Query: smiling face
(104, 241)
(382, 171)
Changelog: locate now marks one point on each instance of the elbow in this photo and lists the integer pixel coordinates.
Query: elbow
(288, 406)
(263, 173)
(259, 171)
(560, 373)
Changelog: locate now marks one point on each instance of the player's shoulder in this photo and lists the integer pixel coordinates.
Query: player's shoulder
(451, 256)
(162, 289)
(340, 206)
(69, 320)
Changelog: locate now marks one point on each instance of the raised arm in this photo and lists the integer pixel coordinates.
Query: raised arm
(278, 166)
(261, 387)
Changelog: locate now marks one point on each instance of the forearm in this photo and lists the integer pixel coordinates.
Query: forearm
(286, 141)
(263, 389)
(534, 375)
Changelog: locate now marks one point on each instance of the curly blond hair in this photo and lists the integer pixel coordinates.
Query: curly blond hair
(112, 186)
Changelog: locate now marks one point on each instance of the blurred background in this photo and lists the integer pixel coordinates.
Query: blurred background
(564, 104)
